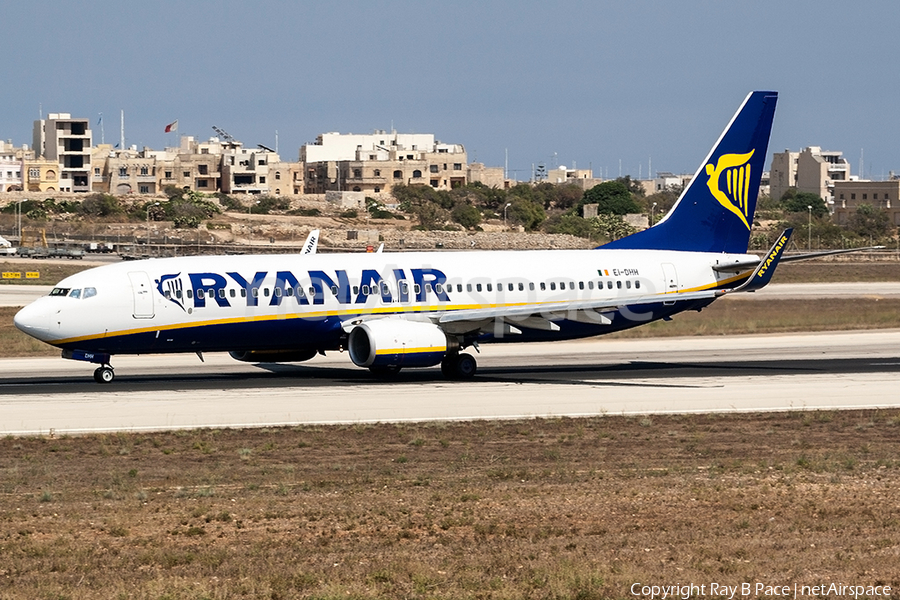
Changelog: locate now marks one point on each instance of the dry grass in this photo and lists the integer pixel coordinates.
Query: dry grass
(51, 271)
(567, 508)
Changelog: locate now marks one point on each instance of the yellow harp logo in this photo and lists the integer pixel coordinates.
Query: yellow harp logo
(736, 170)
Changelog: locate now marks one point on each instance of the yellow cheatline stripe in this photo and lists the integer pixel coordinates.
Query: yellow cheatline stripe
(409, 350)
(383, 310)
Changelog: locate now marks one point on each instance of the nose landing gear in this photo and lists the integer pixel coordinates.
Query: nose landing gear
(104, 373)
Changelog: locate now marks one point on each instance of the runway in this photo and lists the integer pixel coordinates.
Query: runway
(593, 377)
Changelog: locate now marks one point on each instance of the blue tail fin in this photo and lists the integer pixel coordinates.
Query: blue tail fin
(715, 211)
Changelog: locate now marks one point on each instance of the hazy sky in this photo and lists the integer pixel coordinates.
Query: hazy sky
(570, 83)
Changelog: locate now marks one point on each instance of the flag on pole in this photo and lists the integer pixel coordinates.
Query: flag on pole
(173, 126)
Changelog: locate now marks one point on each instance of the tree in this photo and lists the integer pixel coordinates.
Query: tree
(870, 221)
(526, 212)
(794, 201)
(612, 226)
(466, 215)
(611, 198)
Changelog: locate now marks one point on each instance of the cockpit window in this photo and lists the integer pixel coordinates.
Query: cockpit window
(89, 292)
(60, 291)
(75, 293)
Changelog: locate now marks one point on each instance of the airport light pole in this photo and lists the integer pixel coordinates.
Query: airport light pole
(508, 204)
(652, 214)
(809, 227)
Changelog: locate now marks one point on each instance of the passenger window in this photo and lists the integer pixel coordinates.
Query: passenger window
(334, 290)
(190, 294)
(427, 288)
(490, 287)
(478, 287)
(167, 294)
(590, 285)
(628, 284)
(266, 292)
(637, 285)
(355, 290)
(521, 287)
(580, 285)
(178, 294)
(289, 291)
(300, 292)
(417, 289)
(312, 292)
(222, 292)
(231, 293)
(459, 288)
(609, 285)
(509, 287)
(552, 285)
(543, 286)
(404, 288)
(468, 287)
(243, 292)
(75, 294)
(365, 290)
(619, 284)
(254, 292)
(531, 286)
(385, 290)
(571, 285)
(278, 292)
(200, 294)
(437, 288)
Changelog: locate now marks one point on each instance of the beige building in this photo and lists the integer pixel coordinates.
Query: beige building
(40, 175)
(583, 178)
(376, 162)
(122, 172)
(811, 170)
(850, 195)
(66, 141)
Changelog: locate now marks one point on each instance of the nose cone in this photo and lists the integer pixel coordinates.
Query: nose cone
(34, 320)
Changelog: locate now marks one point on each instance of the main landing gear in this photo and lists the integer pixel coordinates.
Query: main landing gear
(104, 374)
(459, 366)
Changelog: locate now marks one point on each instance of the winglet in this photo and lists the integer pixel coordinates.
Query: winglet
(312, 242)
(762, 275)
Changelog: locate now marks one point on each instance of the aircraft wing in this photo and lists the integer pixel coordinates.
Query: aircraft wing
(566, 309)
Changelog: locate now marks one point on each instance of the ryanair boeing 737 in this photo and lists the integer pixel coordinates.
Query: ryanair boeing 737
(398, 310)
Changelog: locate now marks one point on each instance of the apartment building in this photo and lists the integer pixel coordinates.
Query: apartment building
(850, 195)
(374, 163)
(12, 166)
(811, 170)
(67, 142)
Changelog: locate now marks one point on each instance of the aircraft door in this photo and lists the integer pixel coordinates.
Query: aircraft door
(670, 276)
(143, 295)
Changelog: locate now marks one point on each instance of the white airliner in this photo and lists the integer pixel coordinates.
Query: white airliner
(396, 310)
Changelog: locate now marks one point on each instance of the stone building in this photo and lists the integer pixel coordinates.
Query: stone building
(66, 141)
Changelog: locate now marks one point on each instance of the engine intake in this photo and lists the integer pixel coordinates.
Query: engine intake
(399, 343)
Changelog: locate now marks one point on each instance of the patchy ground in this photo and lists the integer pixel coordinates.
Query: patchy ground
(568, 508)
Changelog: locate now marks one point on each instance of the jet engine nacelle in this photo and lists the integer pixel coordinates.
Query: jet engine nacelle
(265, 356)
(398, 343)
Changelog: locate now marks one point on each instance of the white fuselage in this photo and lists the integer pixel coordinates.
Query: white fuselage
(301, 301)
